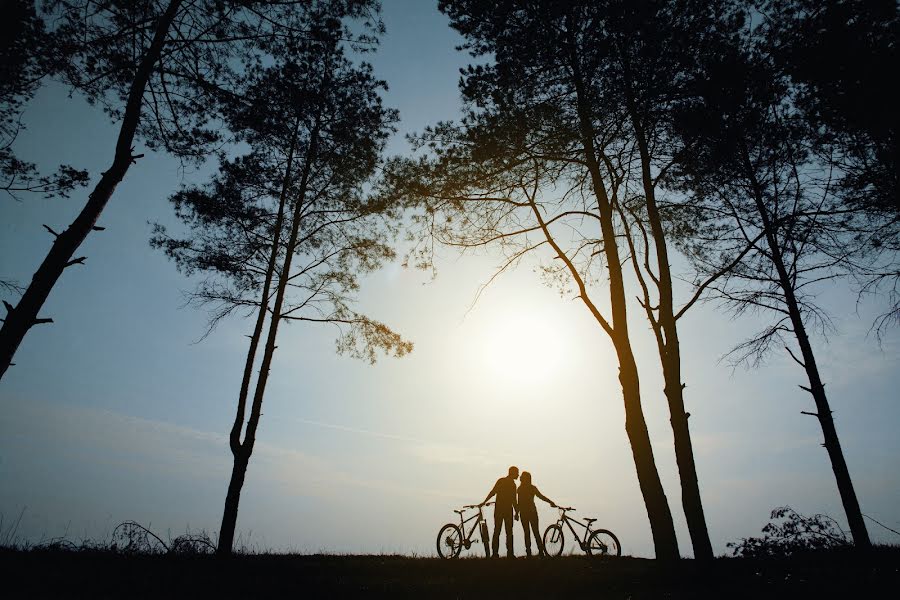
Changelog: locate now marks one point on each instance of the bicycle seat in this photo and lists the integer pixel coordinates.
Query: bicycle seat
(589, 521)
(459, 512)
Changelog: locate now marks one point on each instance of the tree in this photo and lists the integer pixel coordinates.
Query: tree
(157, 68)
(27, 54)
(755, 182)
(838, 56)
(285, 230)
(531, 125)
(646, 57)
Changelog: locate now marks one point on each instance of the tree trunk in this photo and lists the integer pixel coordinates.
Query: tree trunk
(235, 436)
(241, 458)
(232, 499)
(661, 525)
(816, 387)
(832, 444)
(670, 355)
(25, 314)
(229, 517)
(684, 452)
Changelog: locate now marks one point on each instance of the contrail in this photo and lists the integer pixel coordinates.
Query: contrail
(387, 436)
(403, 438)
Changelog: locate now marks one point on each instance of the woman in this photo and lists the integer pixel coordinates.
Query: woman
(528, 512)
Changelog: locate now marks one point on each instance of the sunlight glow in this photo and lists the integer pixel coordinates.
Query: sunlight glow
(521, 349)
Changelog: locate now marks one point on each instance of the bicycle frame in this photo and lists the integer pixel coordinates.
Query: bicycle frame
(565, 518)
(596, 542)
(478, 518)
(460, 536)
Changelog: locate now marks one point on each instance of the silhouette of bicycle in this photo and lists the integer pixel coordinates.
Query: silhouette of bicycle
(453, 538)
(596, 542)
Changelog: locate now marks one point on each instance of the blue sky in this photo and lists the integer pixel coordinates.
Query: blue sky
(114, 413)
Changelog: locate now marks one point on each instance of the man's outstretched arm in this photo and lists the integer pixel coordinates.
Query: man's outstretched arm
(490, 495)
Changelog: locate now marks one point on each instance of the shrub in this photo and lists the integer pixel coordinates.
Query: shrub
(790, 533)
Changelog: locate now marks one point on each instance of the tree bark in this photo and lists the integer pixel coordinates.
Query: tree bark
(816, 387)
(661, 525)
(25, 314)
(670, 353)
(229, 517)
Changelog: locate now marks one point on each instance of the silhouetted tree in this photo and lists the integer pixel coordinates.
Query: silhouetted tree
(755, 181)
(27, 55)
(156, 67)
(646, 60)
(285, 230)
(534, 123)
(839, 57)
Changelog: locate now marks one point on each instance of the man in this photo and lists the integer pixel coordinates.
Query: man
(504, 507)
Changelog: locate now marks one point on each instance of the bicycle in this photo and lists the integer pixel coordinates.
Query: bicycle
(453, 538)
(596, 542)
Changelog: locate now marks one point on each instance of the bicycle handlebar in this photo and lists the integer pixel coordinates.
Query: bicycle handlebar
(566, 508)
(478, 505)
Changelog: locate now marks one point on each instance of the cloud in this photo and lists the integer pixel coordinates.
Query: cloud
(40, 440)
(426, 451)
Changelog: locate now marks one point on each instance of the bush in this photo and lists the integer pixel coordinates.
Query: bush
(790, 533)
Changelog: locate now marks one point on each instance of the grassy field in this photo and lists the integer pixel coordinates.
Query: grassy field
(107, 575)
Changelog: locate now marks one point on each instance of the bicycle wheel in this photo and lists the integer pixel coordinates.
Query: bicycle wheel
(484, 539)
(604, 542)
(449, 541)
(554, 540)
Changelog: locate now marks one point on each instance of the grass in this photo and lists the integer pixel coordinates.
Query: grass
(100, 573)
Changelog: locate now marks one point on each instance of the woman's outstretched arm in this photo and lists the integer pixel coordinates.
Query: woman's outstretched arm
(538, 493)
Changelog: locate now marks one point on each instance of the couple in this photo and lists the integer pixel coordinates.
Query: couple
(507, 504)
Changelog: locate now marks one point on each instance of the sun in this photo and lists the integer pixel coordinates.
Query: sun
(521, 349)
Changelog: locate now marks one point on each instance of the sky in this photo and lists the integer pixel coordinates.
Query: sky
(115, 412)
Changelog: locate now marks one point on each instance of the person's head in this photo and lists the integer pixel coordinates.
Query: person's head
(513, 472)
(526, 478)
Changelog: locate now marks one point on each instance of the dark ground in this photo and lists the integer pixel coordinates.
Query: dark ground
(58, 574)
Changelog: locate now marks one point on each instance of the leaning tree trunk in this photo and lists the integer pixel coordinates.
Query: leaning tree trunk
(661, 525)
(670, 358)
(824, 414)
(816, 387)
(242, 458)
(25, 314)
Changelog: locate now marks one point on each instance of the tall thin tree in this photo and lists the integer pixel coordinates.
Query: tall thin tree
(285, 230)
(838, 56)
(645, 54)
(755, 181)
